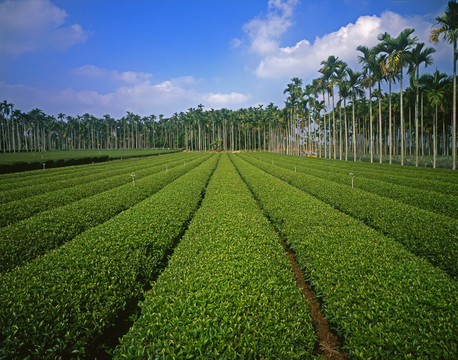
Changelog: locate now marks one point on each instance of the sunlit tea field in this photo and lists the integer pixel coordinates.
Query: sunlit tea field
(185, 255)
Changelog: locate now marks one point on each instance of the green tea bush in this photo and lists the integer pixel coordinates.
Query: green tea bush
(59, 305)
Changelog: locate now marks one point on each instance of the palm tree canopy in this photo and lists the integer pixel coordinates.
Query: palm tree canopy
(447, 24)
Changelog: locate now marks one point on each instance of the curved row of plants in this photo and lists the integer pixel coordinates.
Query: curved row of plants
(14, 211)
(40, 184)
(436, 202)
(428, 235)
(24, 240)
(60, 304)
(228, 291)
(386, 302)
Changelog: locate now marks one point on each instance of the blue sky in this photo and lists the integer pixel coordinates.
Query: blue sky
(165, 56)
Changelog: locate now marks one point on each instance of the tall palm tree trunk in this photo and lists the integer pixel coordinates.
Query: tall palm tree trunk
(380, 122)
(354, 129)
(454, 109)
(402, 127)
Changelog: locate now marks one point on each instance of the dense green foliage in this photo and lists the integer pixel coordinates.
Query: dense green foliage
(429, 235)
(435, 200)
(228, 291)
(19, 187)
(25, 161)
(375, 261)
(24, 240)
(24, 208)
(45, 156)
(58, 305)
(387, 303)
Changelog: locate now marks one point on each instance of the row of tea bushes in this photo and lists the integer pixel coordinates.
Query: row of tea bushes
(24, 161)
(436, 202)
(24, 240)
(443, 181)
(228, 291)
(14, 211)
(59, 305)
(438, 174)
(36, 185)
(386, 302)
(48, 176)
(428, 235)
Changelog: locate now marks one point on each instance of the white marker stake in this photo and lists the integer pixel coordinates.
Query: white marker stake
(352, 180)
(133, 179)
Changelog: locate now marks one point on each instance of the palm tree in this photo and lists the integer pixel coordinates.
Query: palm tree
(399, 57)
(418, 57)
(354, 85)
(436, 94)
(341, 74)
(329, 71)
(295, 94)
(447, 27)
(370, 67)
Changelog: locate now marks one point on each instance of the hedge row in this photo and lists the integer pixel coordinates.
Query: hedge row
(60, 305)
(386, 302)
(228, 291)
(19, 166)
(427, 200)
(438, 174)
(33, 178)
(428, 235)
(24, 240)
(27, 166)
(419, 179)
(14, 211)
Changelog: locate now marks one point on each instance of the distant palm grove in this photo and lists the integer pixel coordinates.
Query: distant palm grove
(342, 114)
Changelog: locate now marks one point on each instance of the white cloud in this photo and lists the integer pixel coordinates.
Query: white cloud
(303, 59)
(143, 98)
(31, 25)
(265, 31)
(130, 77)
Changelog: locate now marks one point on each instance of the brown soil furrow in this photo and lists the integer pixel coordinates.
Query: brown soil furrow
(329, 345)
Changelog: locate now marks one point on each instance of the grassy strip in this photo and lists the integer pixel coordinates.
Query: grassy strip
(436, 202)
(24, 240)
(228, 291)
(48, 176)
(25, 208)
(58, 305)
(386, 302)
(428, 235)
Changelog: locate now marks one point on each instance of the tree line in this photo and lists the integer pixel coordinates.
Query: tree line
(341, 114)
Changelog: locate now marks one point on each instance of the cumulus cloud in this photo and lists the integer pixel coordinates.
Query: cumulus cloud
(264, 31)
(30, 25)
(303, 59)
(143, 98)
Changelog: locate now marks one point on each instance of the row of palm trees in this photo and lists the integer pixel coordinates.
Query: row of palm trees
(193, 130)
(383, 63)
(343, 113)
(300, 127)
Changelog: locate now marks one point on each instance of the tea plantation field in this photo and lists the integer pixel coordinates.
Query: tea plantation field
(184, 255)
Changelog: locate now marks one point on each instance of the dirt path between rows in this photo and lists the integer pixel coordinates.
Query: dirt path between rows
(329, 345)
